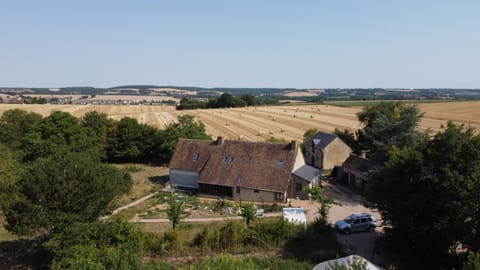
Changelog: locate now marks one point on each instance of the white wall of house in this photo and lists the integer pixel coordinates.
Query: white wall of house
(299, 160)
(186, 179)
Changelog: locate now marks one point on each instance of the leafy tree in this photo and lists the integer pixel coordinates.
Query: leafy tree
(428, 197)
(175, 210)
(63, 188)
(185, 127)
(103, 127)
(249, 213)
(226, 100)
(318, 194)
(307, 136)
(348, 137)
(472, 262)
(9, 170)
(61, 130)
(388, 124)
(188, 104)
(16, 127)
(249, 99)
(113, 244)
(132, 141)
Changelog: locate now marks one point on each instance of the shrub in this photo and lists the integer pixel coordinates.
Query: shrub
(227, 262)
(276, 232)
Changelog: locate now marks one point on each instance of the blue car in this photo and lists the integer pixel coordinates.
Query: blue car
(356, 223)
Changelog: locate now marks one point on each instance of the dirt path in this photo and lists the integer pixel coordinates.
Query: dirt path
(114, 212)
(197, 220)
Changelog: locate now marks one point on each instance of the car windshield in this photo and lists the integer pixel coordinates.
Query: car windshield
(349, 219)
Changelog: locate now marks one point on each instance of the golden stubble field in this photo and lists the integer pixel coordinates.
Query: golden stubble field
(260, 123)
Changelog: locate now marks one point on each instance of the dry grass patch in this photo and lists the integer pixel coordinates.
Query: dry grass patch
(145, 180)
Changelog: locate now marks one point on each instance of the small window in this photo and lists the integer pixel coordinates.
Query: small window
(238, 189)
(256, 190)
(279, 196)
(197, 156)
(249, 160)
(240, 179)
(280, 163)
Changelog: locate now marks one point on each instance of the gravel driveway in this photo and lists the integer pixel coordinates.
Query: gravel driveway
(348, 202)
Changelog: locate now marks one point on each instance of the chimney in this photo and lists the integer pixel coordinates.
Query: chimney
(220, 140)
(293, 144)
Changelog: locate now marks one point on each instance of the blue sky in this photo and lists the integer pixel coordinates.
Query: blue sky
(301, 44)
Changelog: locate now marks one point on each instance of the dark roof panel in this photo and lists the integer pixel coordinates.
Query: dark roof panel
(322, 139)
(357, 163)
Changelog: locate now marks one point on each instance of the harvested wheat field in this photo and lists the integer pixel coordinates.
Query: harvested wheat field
(260, 123)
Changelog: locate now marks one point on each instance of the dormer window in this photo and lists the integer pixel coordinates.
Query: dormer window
(197, 156)
(228, 159)
(280, 163)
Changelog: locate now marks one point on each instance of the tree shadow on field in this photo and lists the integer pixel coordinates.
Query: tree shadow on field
(23, 254)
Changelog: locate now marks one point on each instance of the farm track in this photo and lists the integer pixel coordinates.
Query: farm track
(260, 123)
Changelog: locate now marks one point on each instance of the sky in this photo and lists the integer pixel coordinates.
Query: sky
(259, 43)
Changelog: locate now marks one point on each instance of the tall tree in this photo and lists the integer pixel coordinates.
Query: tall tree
(388, 124)
(63, 188)
(185, 127)
(428, 197)
(62, 130)
(9, 170)
(307, 136)
(133, 141)
(348, 137)
(16, 127)
(103, 127)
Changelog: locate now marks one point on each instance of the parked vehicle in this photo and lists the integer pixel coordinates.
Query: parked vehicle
(356, 223)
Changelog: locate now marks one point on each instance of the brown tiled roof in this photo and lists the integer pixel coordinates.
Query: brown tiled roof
(184, 156)
(256, 165)
(358, 164)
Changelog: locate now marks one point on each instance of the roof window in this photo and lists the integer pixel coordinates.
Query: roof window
(197, 156)
(228, 159)
(280, 163)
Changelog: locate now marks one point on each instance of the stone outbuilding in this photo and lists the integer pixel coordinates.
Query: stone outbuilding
(355, 170)
(325, 151)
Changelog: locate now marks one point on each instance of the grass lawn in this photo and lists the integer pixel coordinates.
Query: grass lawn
(145, 179)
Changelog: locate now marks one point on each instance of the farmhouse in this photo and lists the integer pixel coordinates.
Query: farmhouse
(241, 170)
(325, 151)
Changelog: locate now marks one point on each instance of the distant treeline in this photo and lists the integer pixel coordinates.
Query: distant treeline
(226, 100)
